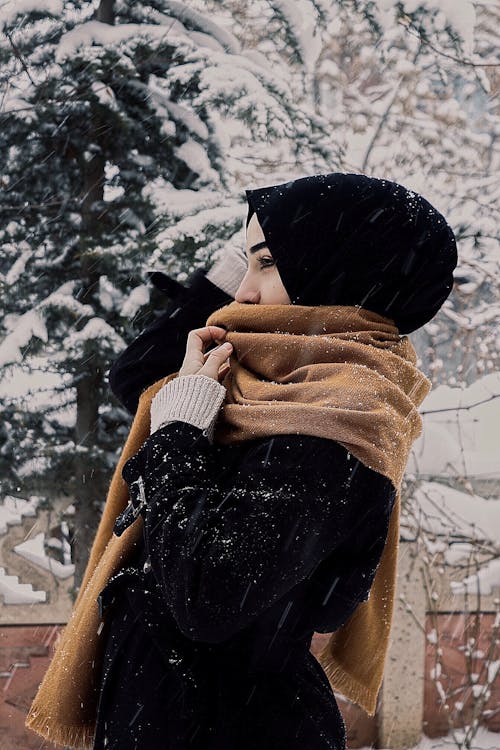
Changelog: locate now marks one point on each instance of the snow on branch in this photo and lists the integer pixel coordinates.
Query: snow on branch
(199, 21)
(96, 329)
(178, 112)
(11, 9)
(28, 325)
(103, 34)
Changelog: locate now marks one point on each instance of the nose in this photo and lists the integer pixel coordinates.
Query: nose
(247, 295)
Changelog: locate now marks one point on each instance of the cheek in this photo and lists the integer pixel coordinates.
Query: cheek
(274, 278)
(251, 279)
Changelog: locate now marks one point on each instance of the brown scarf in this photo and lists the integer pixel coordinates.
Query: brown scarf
(340, 372)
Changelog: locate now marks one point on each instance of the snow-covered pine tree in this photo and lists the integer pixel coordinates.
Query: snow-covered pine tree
(115, 144)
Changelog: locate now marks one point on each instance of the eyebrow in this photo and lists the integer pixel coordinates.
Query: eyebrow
(258, 246)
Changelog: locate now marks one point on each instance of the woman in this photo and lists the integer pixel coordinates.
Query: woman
(287, 701)
(250, 548)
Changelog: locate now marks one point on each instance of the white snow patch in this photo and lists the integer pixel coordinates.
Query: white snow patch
(178, 112)
(195, 156)
(95, 329)
(14, 592)
(136, 299)
(302, 24)
(484, 581)
(103, 34)
(105, 95)
(34, 551)
(483, 740)
(178, 203)
(110, 297)
(19, 265)
(460, 433)
(445, 510)
(459, 14)
(12, 8)
(27, 325)
(14, 509)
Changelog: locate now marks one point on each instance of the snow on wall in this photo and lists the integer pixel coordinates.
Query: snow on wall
(12, 512)
(34, 551)
(450, 514)
(484, 581)
(460, 435)
(444, 511)
(12, 591)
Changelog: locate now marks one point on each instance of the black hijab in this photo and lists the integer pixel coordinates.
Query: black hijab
(349, 239)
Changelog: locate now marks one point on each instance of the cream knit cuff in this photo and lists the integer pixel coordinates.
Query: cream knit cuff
(195, 399)
(227, 272)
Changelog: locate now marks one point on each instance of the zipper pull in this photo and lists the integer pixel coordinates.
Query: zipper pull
(127, 518)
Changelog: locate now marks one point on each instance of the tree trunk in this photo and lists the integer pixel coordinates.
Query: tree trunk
(89, 482)
(88, 486)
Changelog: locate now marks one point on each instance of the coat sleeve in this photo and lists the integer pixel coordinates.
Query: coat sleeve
(161, 347)
(226, 545)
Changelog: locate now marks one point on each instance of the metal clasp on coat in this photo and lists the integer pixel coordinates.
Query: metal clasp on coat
(128, 516)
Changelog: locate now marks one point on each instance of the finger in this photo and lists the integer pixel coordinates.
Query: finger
(207, 354)
(215, 359)
(198, 338)
(223, 372)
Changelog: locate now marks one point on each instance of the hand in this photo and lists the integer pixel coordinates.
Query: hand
(197, 362)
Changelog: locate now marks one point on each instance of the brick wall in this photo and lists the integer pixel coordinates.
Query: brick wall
(453, 630)
(25, 652)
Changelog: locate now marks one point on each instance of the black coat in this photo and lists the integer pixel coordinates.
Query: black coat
(248, 549)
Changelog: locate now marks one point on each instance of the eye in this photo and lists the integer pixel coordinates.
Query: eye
(266, 261)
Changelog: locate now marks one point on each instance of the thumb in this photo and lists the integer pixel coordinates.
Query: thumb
(215, 359)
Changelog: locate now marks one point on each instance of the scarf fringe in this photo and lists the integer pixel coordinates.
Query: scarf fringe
(346, 683)
(80, 737)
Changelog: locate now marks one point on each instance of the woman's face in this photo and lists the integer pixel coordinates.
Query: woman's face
(261, 285)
